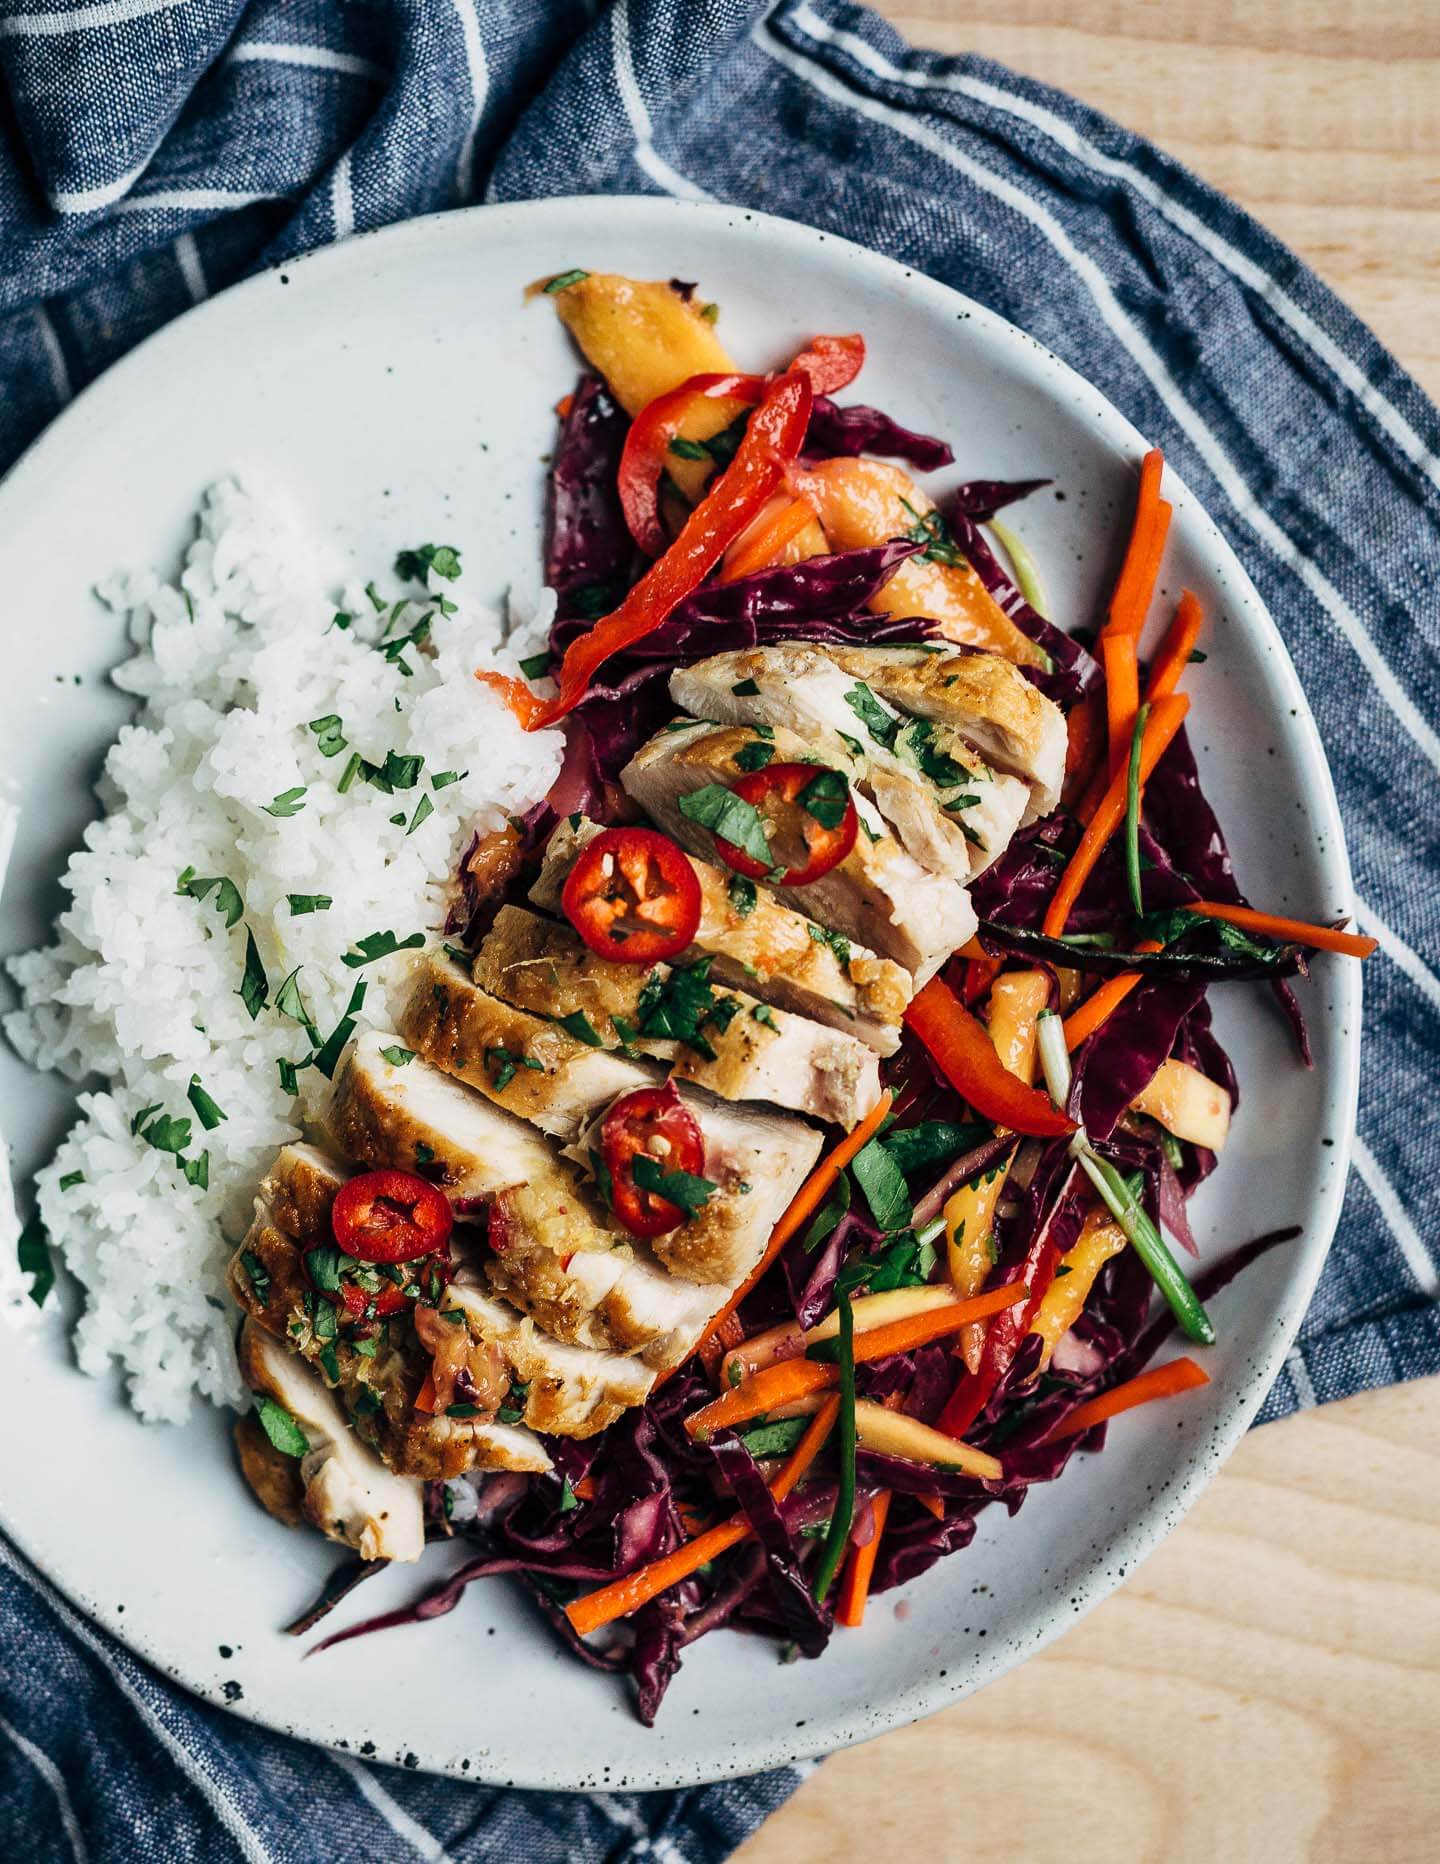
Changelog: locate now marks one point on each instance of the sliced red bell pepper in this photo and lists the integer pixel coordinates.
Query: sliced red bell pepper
(1004, 1331)
(829, 363)
(961, 1047)
(772, 439)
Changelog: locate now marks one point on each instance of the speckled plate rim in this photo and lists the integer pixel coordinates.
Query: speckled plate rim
(1106, 1563)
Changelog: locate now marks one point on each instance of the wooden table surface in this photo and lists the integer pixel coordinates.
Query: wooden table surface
(1267, 1687)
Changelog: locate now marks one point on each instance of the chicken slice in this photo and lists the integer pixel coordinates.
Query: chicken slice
(734, 1045)
(530, 1067)
(761, 946)
(756, 1159)
(553, 1253)
(268, 1278)
(349, 1493)
(988, 702)
(953, 814)
(878, 894)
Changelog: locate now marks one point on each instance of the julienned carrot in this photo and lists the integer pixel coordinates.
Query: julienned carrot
(752, 554)
(1168, 667)
(424, 1399)
(1166, 717)
(1100, 1005)
(855, 1588)
(1082, 1023)
(1293, 931)
(790, 1379)
(1178, 1375)
(806, 1201)
(1136, 580)
(627, 1595)
(933, 1505)
(1122, 693)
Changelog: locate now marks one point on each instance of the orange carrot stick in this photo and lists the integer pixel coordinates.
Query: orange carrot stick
(1082, 1023)
(623, 1596)
(1122, 693)
(790, 1379)
(753, 554)
(1165, 719)
(1131, 596)
(1293, 931)
(1179, 1375)
(933, 1504)
(850, 1606)
(1168, 667)
(806, 1201)
(424, 1399)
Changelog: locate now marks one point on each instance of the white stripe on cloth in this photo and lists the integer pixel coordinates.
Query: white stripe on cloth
(81, 18)
(1399, 953)
(1417, 1257)
(1300, 1380)
(1253, 276)
(103, 194)
(55, 1780)
(423, 1843)
(342, 199)
(217, 1796)
(1222, 467)
(54, 355)
(307, 57)
(187, 257)
(647, 155)
(478, 68)
(196, 200)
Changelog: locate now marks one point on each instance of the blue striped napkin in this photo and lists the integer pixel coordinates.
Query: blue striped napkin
(156, 150)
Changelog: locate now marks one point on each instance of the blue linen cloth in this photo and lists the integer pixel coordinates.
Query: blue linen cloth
(153, 151)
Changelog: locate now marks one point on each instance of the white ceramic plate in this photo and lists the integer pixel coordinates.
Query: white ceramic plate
(400, 385)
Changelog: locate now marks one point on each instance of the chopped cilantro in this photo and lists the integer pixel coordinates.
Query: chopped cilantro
(415, 565)
(568, 1497)
(753, 756)
(210, 1115)
(290, 1075)
(837, 941)
(289, 1002)
(762, 1013)
(502, 1064)
(688, 449)
(329, 1052)
(604, 1182)
(916, 745)
(931, 530)
(536, 666)
(398, 1057)
(287, 803)
(32, 1250)
(379, 945)
(881, 725)
(328, 734)
(70, 1180)
(366, 1402)
(281, 1428)
(775, 1439)
(826, 797)
(322, 1265)
(442, 779)
(729, 818)
(742, 894)
(302, 903)
(423, 809)
(681, 1188)
(564, 280)
(196, 1170)
(227, 902)
(745, 689)
(879, 1176)
(579, 1025)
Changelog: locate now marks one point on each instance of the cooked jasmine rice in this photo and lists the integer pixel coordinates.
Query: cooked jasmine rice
(294, 793)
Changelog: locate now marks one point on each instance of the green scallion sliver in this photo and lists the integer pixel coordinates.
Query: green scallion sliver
(1151, 1248)
(843, 1518)
(1132, 813)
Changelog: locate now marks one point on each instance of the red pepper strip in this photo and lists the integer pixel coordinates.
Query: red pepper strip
(1003, 1334)
(774, 436)
(647, 446)
(829, 363)
(961, 1047)
(832, 362)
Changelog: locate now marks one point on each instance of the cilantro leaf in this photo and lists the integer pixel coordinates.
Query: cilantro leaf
(301, 903)
(753, 756)
(398, 1057)
(563, 281)
(681, 1188)
(826, 797)
(281, 1429)
(579, 1025)
(742, 894)
(729, 818)
(254, 988)
(416, 565)
(210, 1115)
(881, 725)
(881, 1179)
(227, 902)
(287, 803)
(32, 1250)
(329, 734)
(776, 1439)
(379, 945)
(932, 1142)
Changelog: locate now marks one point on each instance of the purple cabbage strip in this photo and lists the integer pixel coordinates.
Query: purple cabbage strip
(857, 429)
(1075, 672)
(980, 499)
(807, 1622)
(589, 555)
(1120, 1059)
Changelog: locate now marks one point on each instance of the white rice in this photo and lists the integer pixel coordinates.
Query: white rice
(140, 988)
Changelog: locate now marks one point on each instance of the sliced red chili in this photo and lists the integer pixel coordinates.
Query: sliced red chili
(832, 363)
(806, 806)
(655, 1122)
(633, 896)
(390, 1216)
(386, 1300)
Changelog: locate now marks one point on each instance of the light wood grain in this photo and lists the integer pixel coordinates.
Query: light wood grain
(1267, 1687)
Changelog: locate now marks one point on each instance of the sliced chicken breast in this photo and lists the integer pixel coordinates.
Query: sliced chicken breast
(738, 1047)
(768, 949)
(530, 1067)
(986, 700)
(349, 1494)
(756, 1159)
(553, 1251)
(952, 814)
(878, 894)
